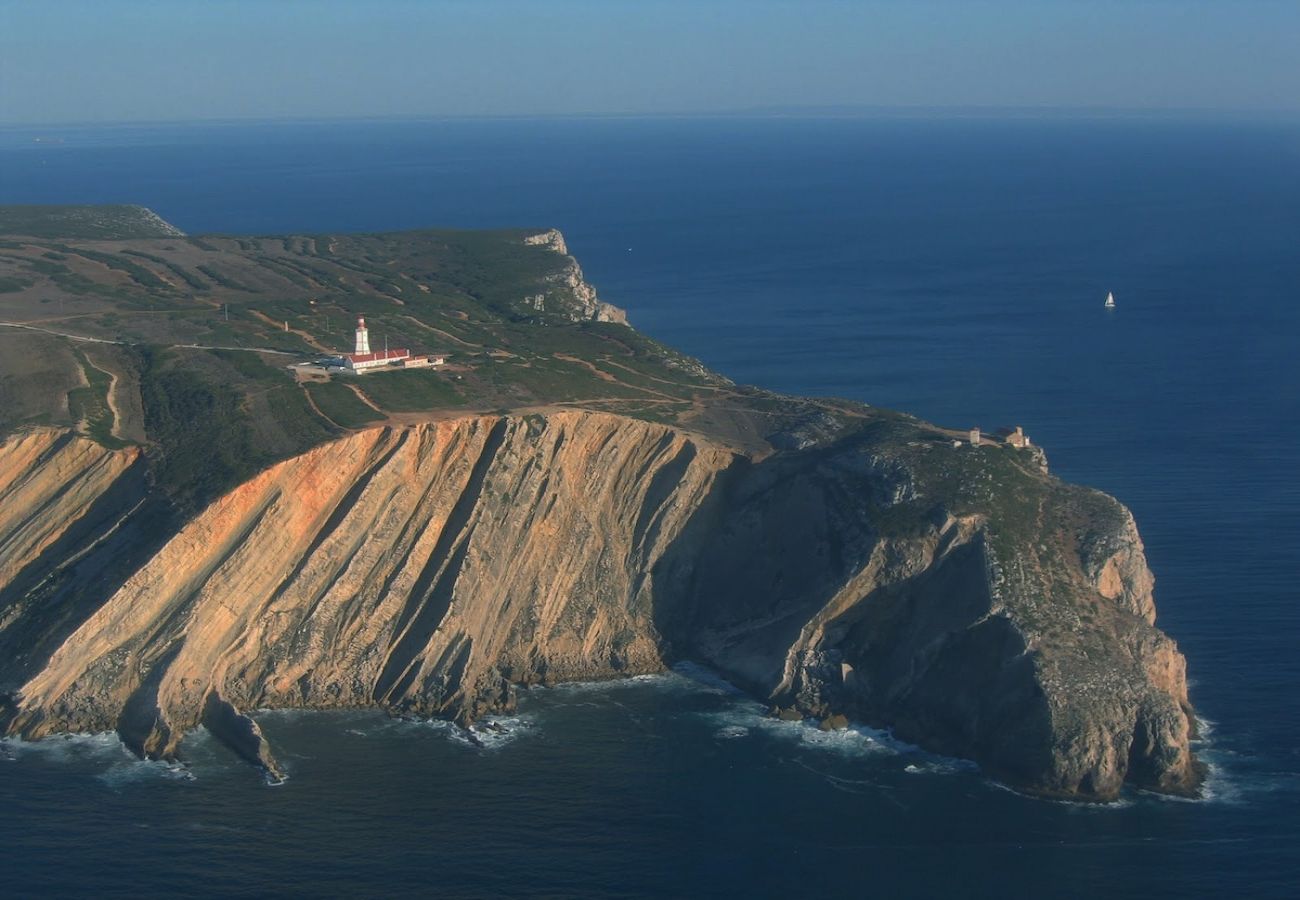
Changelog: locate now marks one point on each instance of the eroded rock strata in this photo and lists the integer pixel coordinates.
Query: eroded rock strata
(961, 596)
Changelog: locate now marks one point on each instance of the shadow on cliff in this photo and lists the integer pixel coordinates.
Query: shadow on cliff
(778, 583)
(72, 578)
(431, 595)
(767, 550)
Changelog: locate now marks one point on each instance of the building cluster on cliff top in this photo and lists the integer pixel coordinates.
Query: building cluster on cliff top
(363, 359)
(1017, 438)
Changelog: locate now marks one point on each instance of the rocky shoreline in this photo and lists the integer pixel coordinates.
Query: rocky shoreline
(962, 597)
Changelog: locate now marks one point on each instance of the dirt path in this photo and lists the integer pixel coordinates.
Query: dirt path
(123, 399)
(447, 335)
(316, 409)
(95, 340)
(311, 341)
(599, 373)
(71, 337)
(111, 401)
(681, 384)
(366, 400)
(625, 401)
(611, 379)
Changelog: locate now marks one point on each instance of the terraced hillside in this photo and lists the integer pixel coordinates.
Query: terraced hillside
(114, 323)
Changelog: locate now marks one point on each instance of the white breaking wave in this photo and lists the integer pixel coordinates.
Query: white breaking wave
(132, 769)
(65, 746)
(1204, 729)
(853, 741)
(747, 718)
(489, 733)
(942, 765)
(103, 750)
(684, 676)
(1077, 806)
(662, 679)
(495, 732)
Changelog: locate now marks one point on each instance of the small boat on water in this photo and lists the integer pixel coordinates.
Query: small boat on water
(1110, 300)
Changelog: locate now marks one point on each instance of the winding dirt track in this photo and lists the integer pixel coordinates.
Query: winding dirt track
(95, 340)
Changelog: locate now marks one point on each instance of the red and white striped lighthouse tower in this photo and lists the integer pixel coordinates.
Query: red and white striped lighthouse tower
(363, 337)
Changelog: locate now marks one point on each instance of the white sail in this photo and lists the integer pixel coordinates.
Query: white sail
(1110, 300)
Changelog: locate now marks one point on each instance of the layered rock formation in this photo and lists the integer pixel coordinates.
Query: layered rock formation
(961, 596)
(421, 569)
(577, 299)
(49, 480)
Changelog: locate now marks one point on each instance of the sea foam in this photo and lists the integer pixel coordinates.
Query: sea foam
(103, 752)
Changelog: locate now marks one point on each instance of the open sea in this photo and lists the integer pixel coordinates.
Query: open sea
(952, 268)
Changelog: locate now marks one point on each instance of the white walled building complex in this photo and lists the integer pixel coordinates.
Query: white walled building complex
(361, 359)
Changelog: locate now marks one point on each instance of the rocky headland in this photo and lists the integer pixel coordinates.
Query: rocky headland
(836, 560)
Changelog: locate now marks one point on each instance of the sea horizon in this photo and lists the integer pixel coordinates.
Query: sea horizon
(953, 269)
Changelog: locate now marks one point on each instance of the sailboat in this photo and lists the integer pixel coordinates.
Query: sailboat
(1110, 300)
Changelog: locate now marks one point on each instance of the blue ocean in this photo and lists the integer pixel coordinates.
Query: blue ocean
(954, 268)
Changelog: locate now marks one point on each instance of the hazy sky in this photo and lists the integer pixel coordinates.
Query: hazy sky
(123, 60)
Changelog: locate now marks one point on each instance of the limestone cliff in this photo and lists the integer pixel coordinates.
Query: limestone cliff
(48, 482)
(571, 295)
(961, 596)
(75, 519)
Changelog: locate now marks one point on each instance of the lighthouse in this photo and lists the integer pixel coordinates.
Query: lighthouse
(361, 359)
(363, 338)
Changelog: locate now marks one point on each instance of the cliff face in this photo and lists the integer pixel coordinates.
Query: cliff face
(69, 512)
(422, 569)
(573, 296)
(428, 569)
(48, 482)
(1019, 635)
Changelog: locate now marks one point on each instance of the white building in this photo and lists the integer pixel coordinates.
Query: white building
(363, 338)
(362, 359)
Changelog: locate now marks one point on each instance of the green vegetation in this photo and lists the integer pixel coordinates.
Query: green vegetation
(218, 418)
(49, 268)
(94, 222)
(291, 273)
(10, 284)
(414, 391)
(80, 285)
(341, 404)
(183, 274)
(249, 365)
(223, 280)
(215, 416)
(90, 404)
(284, 422)
(998, 482)
(202, 434)
(137, 273)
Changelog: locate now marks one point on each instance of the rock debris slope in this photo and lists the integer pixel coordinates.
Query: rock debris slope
(964, 597)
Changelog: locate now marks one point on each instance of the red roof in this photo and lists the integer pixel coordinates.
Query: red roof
(355, 358)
